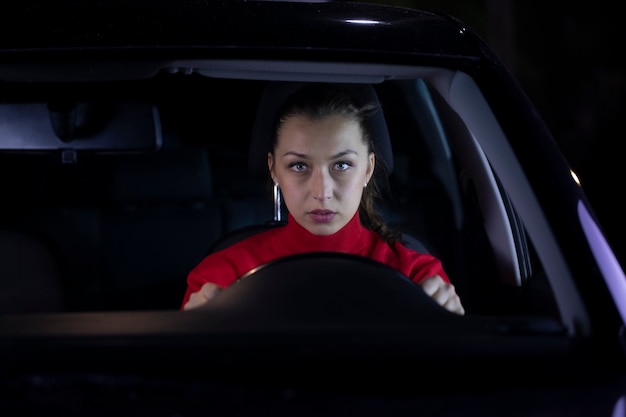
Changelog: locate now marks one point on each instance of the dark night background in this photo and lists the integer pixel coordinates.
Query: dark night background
(568, 58)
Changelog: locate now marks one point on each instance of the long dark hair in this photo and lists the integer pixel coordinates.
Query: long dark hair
(318, 101)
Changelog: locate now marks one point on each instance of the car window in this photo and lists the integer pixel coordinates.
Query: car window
(115, 216)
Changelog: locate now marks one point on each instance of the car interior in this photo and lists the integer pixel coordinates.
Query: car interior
(109, 203)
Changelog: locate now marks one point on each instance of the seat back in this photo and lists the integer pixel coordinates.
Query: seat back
(161, 221)
(30, 281)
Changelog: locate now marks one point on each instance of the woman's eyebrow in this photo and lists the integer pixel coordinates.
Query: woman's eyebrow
(337, 155)
(296, 154)
(344, 153)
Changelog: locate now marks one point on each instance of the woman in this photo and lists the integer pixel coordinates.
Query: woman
(324, 161)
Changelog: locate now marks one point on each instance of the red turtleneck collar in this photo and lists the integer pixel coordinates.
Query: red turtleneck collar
(352, 238)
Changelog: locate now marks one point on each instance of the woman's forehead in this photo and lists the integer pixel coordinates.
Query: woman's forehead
(329, 135)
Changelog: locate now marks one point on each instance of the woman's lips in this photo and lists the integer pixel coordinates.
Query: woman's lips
(322, 216)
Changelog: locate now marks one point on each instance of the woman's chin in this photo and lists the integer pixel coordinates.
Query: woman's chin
(323, 228)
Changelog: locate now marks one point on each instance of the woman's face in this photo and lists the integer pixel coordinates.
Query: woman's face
(321, 167)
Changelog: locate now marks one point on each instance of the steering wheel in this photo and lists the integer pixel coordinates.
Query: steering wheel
(326, 286)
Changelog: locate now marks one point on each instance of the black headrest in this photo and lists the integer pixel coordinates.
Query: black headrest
(274, 96)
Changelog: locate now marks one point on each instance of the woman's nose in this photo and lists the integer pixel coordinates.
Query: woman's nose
(321, 185)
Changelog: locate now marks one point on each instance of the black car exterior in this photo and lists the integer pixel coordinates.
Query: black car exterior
(546, 298)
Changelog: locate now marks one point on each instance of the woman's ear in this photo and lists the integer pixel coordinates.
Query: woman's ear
(270, 166)
(370, 169)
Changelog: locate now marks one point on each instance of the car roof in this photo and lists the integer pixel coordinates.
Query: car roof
(152, 35)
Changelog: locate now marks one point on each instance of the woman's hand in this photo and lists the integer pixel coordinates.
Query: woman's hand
(206, 293)
(443, 293)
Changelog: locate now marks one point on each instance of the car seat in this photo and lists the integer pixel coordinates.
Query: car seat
(158, 226)
(29, 276)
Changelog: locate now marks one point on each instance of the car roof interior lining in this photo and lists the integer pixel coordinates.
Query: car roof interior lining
(269, 70)
(301, 71)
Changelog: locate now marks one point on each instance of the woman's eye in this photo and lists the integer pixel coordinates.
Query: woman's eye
(297, 166)
(342, 166)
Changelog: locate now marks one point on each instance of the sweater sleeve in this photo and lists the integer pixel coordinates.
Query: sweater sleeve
(417, 266)
(214, 268)
(426, 267)
(226, 266)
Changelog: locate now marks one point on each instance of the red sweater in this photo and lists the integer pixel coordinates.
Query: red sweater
(227, 265)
